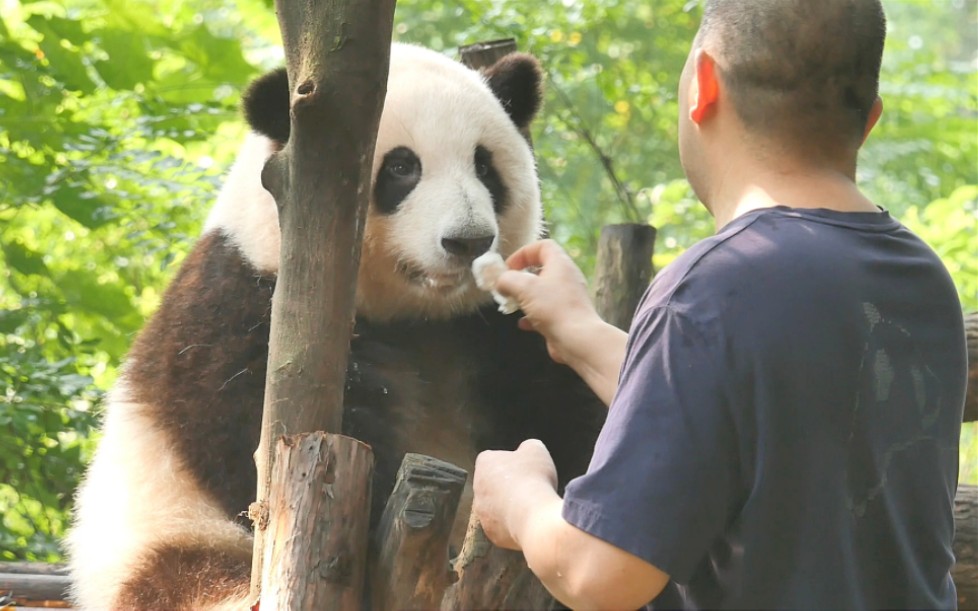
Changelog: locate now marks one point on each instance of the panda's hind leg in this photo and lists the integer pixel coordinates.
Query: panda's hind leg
(145, 535)
(191, 575)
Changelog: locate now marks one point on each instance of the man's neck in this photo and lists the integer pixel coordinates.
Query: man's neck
(742, 189)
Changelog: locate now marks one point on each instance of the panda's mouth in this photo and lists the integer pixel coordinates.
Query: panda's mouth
(444, 282)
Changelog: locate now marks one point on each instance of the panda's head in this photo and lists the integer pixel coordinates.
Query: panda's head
(452, 179)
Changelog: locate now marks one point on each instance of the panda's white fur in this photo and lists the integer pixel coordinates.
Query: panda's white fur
(137, 494)
(140, 493)
(454, 109)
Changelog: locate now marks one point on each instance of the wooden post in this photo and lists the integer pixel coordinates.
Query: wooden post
(965, 570)
(623, 271)
(484, 54)
(412, 568)
(491, 577)
(338, 56)
(971, 336)
(316, 537)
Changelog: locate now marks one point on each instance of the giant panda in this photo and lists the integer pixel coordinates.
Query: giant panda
(160, 520)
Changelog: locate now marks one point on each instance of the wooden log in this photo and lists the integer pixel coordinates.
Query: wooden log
(971, 335)
(33, 584)
(338, 57)
(491, 577)
(965, 570)
(34, 568)
(623, 271)
(32, 589)
(412, 568)
(484, 54)
(316, 536)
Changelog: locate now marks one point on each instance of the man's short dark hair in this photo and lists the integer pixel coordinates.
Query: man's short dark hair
(805, 72)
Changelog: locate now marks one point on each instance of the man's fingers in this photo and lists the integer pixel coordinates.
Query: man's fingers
(534, 254)
(534, 445)
(534, 448)
(515, 284)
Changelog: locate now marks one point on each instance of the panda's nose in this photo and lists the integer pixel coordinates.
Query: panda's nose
(467, 247)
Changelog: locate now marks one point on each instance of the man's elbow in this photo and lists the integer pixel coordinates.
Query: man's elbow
(602, 590)
(601, 577)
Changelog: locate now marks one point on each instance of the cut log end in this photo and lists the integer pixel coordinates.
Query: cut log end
(411, 569)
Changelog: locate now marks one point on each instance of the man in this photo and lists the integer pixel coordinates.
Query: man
(783, 431)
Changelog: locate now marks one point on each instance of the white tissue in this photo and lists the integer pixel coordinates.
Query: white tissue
(487, 269)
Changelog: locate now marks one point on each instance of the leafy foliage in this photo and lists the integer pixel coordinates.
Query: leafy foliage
(117, 119)
(46, 422)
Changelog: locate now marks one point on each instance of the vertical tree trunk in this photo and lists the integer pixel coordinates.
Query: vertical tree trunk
(623, 271)
(338, 55)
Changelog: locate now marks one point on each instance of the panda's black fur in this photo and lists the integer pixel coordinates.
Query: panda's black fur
(447, 386)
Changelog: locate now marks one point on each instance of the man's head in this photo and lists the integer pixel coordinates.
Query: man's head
(801, 76)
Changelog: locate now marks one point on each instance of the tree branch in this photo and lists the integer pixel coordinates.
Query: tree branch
(624, 194)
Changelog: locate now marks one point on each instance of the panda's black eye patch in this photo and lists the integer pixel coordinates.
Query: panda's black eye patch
(399, 174)
(482, 168)
(489, 176)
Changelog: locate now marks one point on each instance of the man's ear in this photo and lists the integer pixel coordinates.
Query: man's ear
(874, 115)
(704, 88)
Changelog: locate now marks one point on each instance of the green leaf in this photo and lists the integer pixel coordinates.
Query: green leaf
(81, 204)
(23, 259)
(68, 29)
(83, 290)
(217, 57)
(11, 320)
(129, 62)
(65, 63)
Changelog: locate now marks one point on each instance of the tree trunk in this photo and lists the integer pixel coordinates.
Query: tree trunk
(316, 539)
(338, 55)
(412, 568)
(965, 571)
(623, 271)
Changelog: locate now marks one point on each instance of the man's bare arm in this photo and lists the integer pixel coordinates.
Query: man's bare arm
(517, 502)
(557, 305)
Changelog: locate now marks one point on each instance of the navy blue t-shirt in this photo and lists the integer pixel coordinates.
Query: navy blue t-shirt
(785, 431)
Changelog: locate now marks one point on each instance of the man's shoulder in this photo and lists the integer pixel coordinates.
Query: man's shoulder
(704, 264)
(782, 247)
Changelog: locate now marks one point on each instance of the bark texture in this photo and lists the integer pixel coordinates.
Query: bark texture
(623, 271)
(491, 577)
(338, 56)
(412, 568)
(316, 536)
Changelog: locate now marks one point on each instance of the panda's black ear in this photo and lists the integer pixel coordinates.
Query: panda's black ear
(266, 105)
(516, 79)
